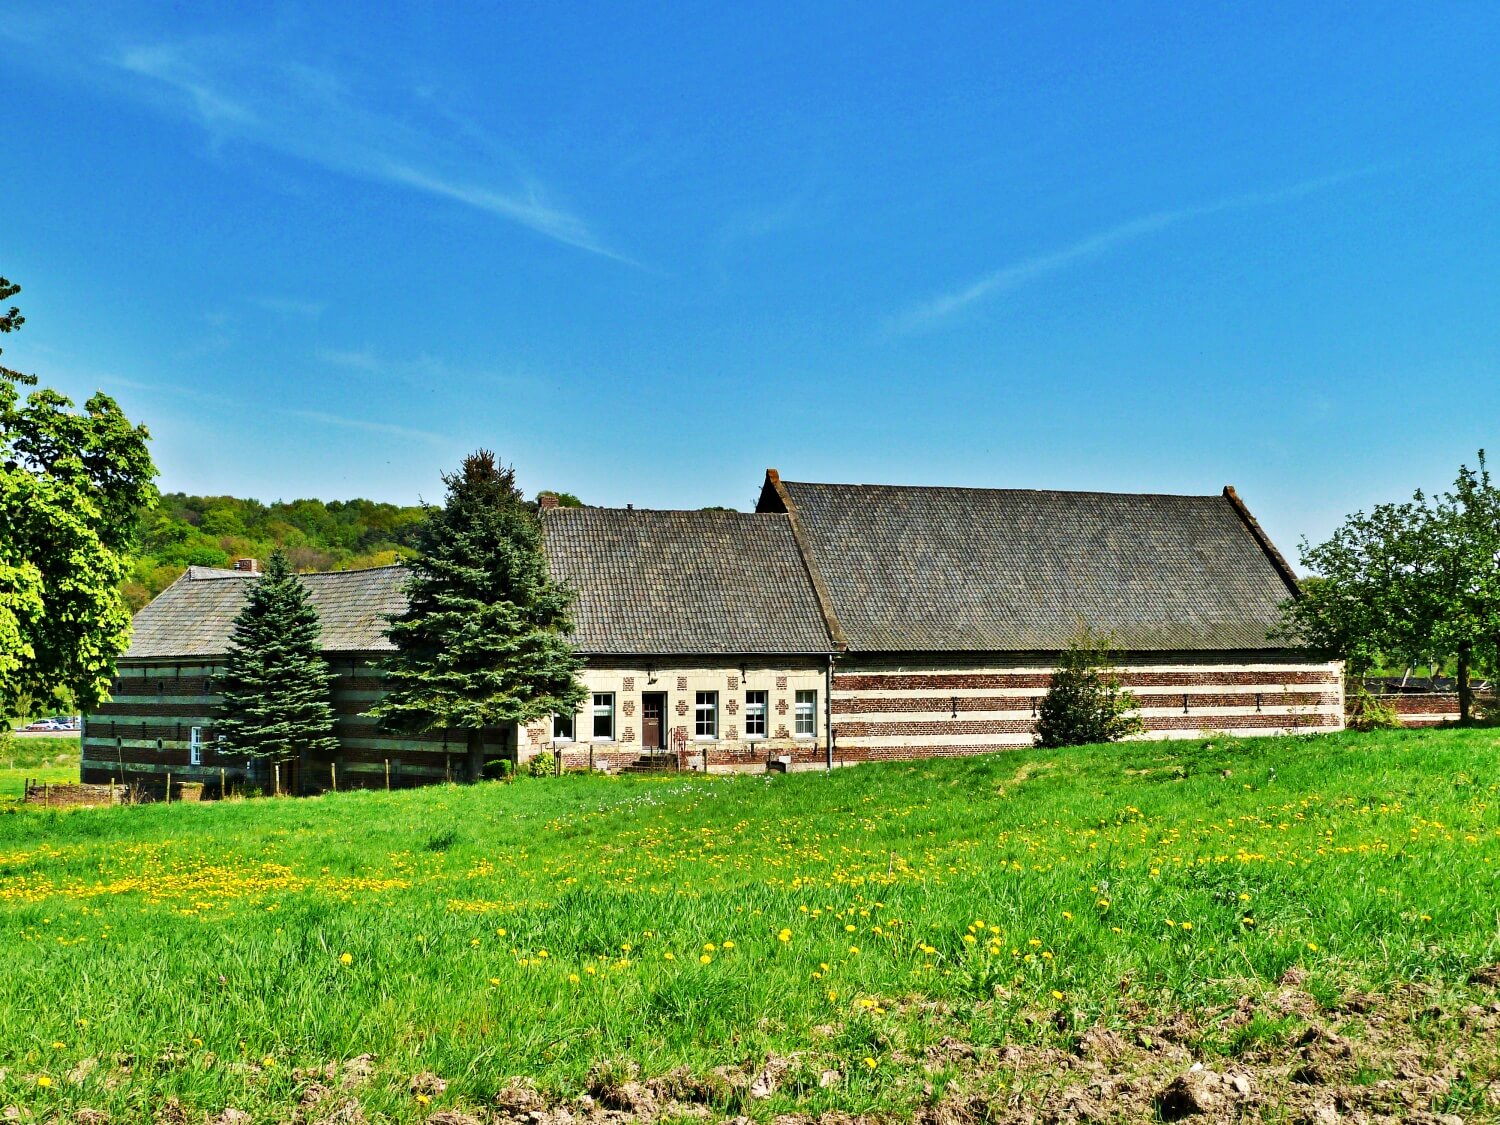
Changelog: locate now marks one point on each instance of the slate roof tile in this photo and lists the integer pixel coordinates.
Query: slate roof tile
(684, 582)
(913, 569)
(195, 615)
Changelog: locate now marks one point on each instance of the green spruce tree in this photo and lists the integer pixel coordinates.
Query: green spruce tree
(277, 705)
(1085, 703)
(483, 642)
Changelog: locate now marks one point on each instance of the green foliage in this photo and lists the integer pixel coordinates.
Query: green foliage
(1364, 711)
(1085, 702)
(71, 486)
(542, 764)
(564, 499)
(275, 690)
(1417, 581)
(482, 642)
(316, 535)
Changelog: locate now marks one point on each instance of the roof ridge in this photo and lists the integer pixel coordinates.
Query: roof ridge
(994, 488)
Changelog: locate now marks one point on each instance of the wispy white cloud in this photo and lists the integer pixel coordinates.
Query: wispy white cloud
(1011, 277)
(256, 92)
(366, 426)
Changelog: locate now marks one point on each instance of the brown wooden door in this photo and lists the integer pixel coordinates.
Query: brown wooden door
(653, 708)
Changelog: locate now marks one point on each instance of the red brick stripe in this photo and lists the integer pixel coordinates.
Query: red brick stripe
(876, 705)
(865, 681)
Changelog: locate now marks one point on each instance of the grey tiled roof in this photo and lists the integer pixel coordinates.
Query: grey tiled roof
(684, 582)
(195, 615)
(983, 570)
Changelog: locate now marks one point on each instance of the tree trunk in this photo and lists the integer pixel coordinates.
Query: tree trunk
(1465, 692)
(476, 755)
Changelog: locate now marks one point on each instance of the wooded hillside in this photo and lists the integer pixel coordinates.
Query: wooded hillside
(317, 535)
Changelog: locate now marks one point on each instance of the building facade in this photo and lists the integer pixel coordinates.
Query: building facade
(835, 624)
(158, 727)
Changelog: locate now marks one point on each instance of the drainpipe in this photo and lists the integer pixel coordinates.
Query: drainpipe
(828, 710)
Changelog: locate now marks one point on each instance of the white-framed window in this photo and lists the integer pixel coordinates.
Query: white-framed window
(562, 727)
(604, 716)
(806, 714)
(755, 714)
(706, 715)
(195, 746)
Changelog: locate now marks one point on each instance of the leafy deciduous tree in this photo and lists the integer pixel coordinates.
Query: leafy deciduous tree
(1412, 581)
(71, 486)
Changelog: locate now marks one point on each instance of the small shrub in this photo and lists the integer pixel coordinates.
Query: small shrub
(1363, 711)
(542, 765)
(1086, 703)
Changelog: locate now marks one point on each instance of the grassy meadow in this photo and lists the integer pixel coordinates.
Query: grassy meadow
(39, 757)
(877, 940)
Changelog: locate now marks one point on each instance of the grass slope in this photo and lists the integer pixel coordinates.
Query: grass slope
(882, 938)
(41, 758)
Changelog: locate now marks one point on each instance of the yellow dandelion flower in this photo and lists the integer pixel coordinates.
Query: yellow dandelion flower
(572, 978)
(705, 959)
(423, 1099)
(708, 947)
(1056, 995)
(346, 959)
(1313, 946)
(869, 1063)
(59, 1045)
(667, 956)
(854, 949)
(728, 945)
(785, 935)
(43, 1081)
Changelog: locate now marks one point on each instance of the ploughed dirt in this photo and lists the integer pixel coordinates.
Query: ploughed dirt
(1412, 1055)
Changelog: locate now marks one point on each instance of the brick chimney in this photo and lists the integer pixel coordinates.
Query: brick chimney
(546, 500)
(248, 566)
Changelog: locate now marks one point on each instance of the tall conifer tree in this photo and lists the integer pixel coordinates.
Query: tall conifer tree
(275, 689)
(483, 641)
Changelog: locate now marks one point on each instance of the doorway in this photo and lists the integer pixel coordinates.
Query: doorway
(654, 720)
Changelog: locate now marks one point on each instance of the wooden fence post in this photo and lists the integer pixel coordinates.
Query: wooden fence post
(169, 787)
(333, 774)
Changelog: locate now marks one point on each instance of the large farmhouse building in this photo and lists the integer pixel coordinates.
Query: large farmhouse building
(835, 624)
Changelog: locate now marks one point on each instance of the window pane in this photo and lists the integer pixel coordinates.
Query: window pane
(706, 714)
(562, 728)
(755, 714)
(604, 715)
(807, 712)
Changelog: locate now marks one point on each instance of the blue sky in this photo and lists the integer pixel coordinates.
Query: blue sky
(325, 250)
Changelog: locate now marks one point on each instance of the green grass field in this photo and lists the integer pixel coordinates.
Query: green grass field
(983, 936)
(47, 759)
